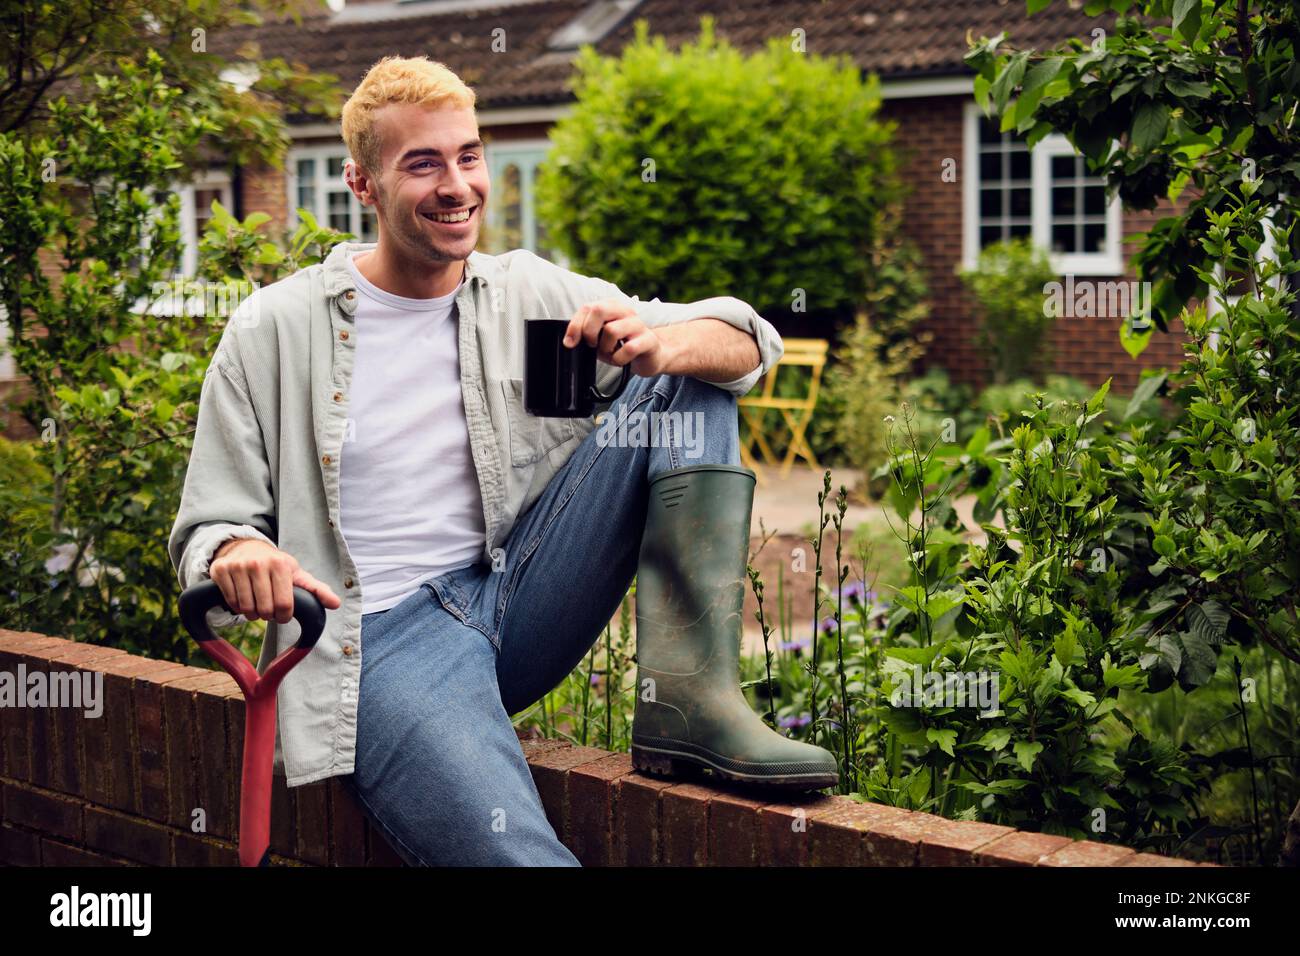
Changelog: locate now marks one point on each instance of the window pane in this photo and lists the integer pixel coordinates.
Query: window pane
(990, 166)
(1094, 237)
(203, 199)
(1005, 196)
(989, 132)
(1094, 200)
(990, 203)
(1063, 201)
(338, 211)
(1020, 165)
(512, 209)
(1063, 167)
(369, 225)
(335, 167)
(306, 169)
(1063, 238)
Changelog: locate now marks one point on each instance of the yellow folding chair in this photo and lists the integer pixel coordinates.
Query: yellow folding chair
(797, 412)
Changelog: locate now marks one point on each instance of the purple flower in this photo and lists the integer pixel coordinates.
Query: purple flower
(595, 679)
(854, 591)
(793, 722)
(828, 625)
(796, 645)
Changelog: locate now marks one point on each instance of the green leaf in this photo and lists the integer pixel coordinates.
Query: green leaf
(1199, 661)
(1145, 391)
(944, 738)
(1042, 73)
(1187, 18)
(995, 739)
(1149, 126)
(995, 787)
(1098, 399)
(1134, 341)
(1026, 752)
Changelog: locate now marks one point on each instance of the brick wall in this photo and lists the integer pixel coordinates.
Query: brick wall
(121, 789)
(929, 131)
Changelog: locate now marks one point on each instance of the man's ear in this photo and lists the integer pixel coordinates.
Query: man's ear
(363, 186)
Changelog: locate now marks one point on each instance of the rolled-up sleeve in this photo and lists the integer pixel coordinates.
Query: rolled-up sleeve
(577, 290)
(227, 492)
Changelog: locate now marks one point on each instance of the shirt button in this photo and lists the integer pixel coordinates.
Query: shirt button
(344, 335)
(330, 522)
(347, 583)
(326, 459)
(347, 650)
(338, 396)
(349, 295)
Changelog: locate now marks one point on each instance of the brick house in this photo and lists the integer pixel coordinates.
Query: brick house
(517, 55)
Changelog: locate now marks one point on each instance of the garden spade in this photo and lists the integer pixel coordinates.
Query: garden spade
(259, 704)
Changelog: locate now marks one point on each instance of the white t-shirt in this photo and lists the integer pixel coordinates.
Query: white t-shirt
(410, 507)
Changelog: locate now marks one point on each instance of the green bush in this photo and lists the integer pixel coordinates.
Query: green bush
(706, 172)
(1008, 284)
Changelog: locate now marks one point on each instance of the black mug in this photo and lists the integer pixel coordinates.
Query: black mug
(559, 381)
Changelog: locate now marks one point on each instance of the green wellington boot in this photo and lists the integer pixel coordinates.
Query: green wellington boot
(690, 590)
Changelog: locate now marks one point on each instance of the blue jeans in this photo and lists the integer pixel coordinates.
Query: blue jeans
(439, 768)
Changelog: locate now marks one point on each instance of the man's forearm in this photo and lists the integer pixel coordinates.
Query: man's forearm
(708, 349)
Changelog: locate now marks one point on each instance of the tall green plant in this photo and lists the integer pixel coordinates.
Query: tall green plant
(1009, 283)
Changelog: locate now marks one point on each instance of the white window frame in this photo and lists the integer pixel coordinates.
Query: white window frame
(500, 154)
(323, 183)
(1109, 262)
(188, 267)
(207, 179)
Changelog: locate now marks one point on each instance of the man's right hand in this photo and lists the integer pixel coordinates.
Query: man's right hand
(257, 580)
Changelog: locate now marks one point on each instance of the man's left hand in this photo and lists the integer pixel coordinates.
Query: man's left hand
(620, 337)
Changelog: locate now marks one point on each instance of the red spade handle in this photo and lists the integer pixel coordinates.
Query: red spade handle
(259, 703)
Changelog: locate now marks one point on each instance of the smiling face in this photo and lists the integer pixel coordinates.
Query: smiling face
(432, 184)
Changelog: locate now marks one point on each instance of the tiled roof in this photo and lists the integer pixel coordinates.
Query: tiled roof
(897, 40)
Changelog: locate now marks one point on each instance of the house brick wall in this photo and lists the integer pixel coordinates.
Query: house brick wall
(121, 790)
(929, 131)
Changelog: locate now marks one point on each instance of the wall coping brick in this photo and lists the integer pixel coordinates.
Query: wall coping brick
(607, 813)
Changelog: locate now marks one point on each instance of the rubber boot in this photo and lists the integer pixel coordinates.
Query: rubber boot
(690, 590)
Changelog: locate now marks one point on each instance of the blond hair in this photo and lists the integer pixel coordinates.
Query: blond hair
(396, 79)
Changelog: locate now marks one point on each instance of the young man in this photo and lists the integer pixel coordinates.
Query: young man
(362, 434)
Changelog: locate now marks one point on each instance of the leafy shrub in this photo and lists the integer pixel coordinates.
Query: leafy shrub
(1008, 284)
(706, 172)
